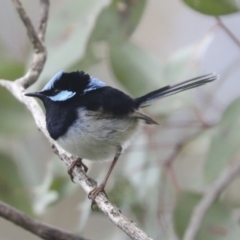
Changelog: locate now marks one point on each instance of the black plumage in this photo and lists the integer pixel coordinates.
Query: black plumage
(108, 101)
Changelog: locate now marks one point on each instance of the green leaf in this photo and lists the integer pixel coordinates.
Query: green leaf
(225, 142)
(115, 24)
(68, 33)
(214, 7)
(216, 225)
(12, 189)
(137, 70)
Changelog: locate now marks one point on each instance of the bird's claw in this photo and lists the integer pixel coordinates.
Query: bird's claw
(93, 194)
(77, 163)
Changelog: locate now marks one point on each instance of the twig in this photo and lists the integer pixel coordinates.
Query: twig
(178, 148)
(211, 195)
(180, 145)
(36, 42)
(230, 34)
(42, 230)
(17, 89)
(40, 53)
(43, 19)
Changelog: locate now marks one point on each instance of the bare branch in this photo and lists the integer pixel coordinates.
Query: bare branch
(229, 33)
(42, 230)
(36, 42)
(36, 39)
(211, 195)
(43, 19)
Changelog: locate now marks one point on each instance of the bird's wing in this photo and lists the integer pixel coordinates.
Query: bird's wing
(144, 117)
(109, 101)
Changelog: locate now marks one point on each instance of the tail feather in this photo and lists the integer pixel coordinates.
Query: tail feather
(173, 89)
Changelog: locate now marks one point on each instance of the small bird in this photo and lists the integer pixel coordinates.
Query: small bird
(93, 121)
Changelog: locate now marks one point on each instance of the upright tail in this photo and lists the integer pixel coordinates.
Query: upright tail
(173, 89)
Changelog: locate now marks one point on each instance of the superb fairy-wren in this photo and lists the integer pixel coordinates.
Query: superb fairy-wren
(93, 121)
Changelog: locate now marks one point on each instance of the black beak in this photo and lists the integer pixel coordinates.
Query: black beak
(34, 94)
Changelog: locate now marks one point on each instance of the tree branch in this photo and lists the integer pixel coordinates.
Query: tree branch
(33, 36)
(40, 53)
(229, 33)
(42, 230)
(18, 87)
(44, 9)
(211, 195)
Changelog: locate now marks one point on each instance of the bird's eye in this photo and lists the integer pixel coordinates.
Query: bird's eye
(55, 91)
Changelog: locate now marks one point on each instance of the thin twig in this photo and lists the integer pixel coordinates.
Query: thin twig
(44, 8)
(178, 148)
(36, 38)
(36, 42)
(230, 34)
(42, 230)
(210, 196)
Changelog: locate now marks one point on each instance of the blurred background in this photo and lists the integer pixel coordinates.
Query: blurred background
(136, 46)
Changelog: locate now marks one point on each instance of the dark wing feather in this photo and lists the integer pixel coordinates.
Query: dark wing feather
(173, 89)
(108, 100)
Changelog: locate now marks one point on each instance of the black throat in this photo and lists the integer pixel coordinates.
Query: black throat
(59, 117)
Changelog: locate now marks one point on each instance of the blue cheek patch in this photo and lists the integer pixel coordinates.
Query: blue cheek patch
(94, 84)
(62, 96)
(50, 84)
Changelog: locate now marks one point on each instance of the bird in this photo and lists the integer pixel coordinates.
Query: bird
(94, 121)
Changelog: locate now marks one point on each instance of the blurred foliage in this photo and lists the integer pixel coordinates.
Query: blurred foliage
(225, 142)
(13, 120)
(11, 69)
(125, 16)
(8, 64)
(217, 223)
(134, 67)
(12, 189)
(214, 7)
(68, 32)
(124, 194)
(82, 35)
(53, 188)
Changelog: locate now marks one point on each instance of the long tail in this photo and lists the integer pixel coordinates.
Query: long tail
(173, 89)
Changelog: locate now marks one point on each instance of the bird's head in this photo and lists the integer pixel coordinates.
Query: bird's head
(65, 86)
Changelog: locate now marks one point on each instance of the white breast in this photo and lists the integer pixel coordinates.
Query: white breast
(95, 138)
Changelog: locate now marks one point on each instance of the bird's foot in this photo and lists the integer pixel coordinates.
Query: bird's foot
(93, 194)
(77, 163)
